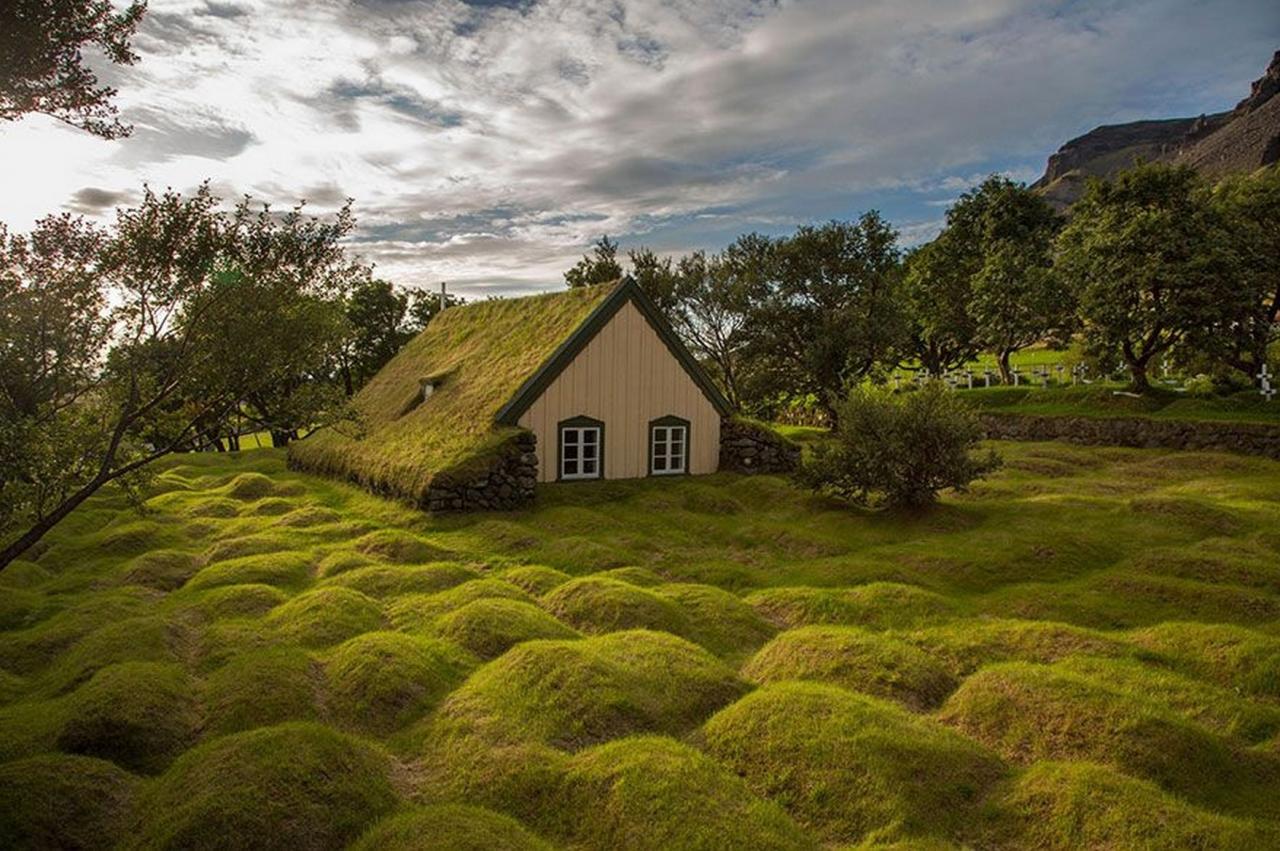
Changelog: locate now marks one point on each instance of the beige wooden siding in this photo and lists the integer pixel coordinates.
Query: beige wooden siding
(625, 377)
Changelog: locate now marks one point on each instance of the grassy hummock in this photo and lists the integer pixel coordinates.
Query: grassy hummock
(58, 801)
(492, 626)
(449, 827)
(601, 605)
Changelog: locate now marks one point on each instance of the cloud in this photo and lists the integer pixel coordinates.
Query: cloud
(488, 143)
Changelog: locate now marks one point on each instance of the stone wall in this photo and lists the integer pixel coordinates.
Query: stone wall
(747, 447)
(1245, 438)
(506, 483)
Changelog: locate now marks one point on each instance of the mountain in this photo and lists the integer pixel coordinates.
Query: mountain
(1242, 139)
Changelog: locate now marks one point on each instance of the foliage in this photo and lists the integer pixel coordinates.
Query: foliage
(42, 62)
(599, 267)
(899, 450)
(1148, 257)
(938, 291)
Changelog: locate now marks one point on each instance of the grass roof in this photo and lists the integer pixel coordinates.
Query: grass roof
(477, 356)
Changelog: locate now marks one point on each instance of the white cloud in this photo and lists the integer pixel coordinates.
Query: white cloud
(491, 142)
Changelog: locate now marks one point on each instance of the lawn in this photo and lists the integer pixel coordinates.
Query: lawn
(1084, 651)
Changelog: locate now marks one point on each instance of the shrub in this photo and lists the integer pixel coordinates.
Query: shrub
(449, 827)
(854, 659)
(899, 450)
(293, 787)
(382, 680)
(60, 801)
(847, 765)
(490, 627)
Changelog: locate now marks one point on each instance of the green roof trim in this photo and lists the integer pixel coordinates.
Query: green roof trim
(625, 291)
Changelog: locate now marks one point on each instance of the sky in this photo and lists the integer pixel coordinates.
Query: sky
(489, 143)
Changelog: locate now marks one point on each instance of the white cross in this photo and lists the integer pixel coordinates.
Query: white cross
(968, 376)
(986, 376)
(1266, 389)
(1014, 372)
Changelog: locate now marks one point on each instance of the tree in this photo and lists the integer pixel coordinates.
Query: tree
(425, 306)
(998, 243)
(826, 309)
(599, 267)
(937, 294)
(42, 66)
(899, 450)
(185, 316)
(1250, 204)
(1147, 255)
(375, 312)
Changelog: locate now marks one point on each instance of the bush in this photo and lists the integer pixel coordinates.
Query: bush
(899, 450)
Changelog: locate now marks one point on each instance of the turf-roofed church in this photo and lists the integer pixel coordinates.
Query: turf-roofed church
(495, 396)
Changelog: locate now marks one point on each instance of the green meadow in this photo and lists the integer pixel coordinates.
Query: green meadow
(1081, 652)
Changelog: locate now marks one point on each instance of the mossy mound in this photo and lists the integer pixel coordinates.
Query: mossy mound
(967, 645)
(381, 681)
(597, 605)
(144, 639)
(325, 616)
(1188, 512)
(163, 570)
(1232, 656)
(653, 792)
(449, 827)
(308, 516)
(537, 579)
(283, 569)
(852, 767)
(399, 547)
(22, 573)
(293, 786)
(272, 506)
(1033, 712)
(490, 627)
(572, 694)
(250, 486)
(128, 538)
(213, 508)
(12, 687)
(722, 622)
(389, 580)
(642, 576)
(29, 650)
(20, 608)
(248, 545)
(878, 605)
(1229, 568)
(139, 715)
(262, 688)
(418, 612)
(61, 801)
(856, 659)
(1057, 805)
(340, 561)
(228, 601)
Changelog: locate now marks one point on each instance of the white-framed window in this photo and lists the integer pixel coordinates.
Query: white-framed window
(668, 446)
(581, 449)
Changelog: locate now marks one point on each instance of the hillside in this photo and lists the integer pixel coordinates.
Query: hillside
(1242, 139)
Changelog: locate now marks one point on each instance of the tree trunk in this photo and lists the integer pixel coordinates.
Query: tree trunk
(33, 535)
(1002, 362)
(1138, 370)
(280, 438)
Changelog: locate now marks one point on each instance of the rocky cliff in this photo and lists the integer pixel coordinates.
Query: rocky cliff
(1241, 139)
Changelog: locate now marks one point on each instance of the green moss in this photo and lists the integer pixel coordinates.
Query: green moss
(855, 659)
(537, 579)
(139, 715)
(597, 605)
(340, 561)
(1081, 805)
(852, 767)
(31, 649)
(283, 569)
(389, 580)
(144, 639)
(227, 601)
(878, 605)
(966, 645)
(22, 573)
(249, 545)
(1232, 656)
(261, 688)
(215, 507)
(293, 786)
(325, 616)
(653, 792)
(399, 547)
(308, 516)
(572, 694)
(250, 486)
(20, 608)
(449, 827)
(163, 570)
(418, 612)
(60, 801)
(641, 576)
(1032, 712)
(721, 622)
(381, 681)
(490, 627)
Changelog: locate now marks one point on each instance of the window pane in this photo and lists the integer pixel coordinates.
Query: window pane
(570, 453)
(588, 468)
(659, 464)
(570, 468)
(589, 435)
